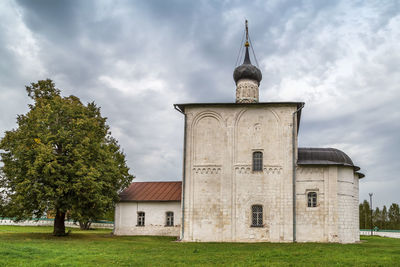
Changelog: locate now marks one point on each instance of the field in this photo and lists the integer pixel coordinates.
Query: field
(35, 246)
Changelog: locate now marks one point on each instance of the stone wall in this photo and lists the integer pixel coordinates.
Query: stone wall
(348, 224)
(315, 223)
(335, 219)
(382, 233)
(221, 187)
(155, 218)
(50, 222)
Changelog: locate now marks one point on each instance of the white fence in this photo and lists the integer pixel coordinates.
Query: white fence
(382, 233)
(50, 222)
(110, 225)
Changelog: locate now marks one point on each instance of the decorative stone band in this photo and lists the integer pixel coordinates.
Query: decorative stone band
(310, 181)
(247, 91)
(345, 195)
(207, 169)
(347, 182)
(246, 169)
(247, 100)
(304, 194)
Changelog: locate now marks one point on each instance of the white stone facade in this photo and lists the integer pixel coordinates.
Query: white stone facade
(335, 219)
(218, 203)
(126, 214)
(220, 186)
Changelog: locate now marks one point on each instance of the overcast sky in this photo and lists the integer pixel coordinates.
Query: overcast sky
(135, 59)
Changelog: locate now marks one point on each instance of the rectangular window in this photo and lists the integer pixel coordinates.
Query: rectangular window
(140, 218)
(257, 216)
(257, 161)
(312, 199)
(170, 218)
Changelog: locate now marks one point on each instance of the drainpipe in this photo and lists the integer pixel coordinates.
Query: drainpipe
(294, 169)
(115, 217)
(183, 176)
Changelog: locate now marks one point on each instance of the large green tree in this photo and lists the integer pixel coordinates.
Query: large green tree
(394, 216)
(61, 158)
(384, 218)
(377, 218)
(365, 215)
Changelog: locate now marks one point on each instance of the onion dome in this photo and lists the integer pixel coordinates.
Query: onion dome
(247, 70)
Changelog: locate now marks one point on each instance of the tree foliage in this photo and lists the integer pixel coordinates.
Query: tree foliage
(365, 215)
(60, 158)
(383, 219)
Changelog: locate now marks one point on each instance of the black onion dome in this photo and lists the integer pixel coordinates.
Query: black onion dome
(247, 70)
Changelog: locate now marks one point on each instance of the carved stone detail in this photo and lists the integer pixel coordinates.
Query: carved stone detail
(206, 169)
(247, 91)
(272, 170)
(246, 169)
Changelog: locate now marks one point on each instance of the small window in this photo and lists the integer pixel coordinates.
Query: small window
(170, 219)
(140, 218)
(312, 199)
(257, 216)
(257, 161)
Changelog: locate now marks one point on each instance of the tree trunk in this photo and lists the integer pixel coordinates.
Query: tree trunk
(85, 225)
(59, 224)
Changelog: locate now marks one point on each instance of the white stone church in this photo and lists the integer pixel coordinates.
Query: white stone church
(246, 180)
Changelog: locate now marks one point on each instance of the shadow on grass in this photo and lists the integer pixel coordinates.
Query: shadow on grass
(82, 236)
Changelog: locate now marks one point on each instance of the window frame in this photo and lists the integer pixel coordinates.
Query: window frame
(312, 201)
(141, 218)
(255, 216)
(257, 162)
(169, 220)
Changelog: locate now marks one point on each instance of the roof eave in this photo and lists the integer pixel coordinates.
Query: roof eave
(355, 168)
(181, 107)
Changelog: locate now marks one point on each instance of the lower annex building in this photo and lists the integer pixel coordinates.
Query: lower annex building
(246, 180)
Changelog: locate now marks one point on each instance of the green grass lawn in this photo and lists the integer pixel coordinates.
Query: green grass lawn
(35, 246)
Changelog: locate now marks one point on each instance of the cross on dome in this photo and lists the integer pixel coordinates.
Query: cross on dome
(247, 76)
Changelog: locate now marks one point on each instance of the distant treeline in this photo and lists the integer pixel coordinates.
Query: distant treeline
(383, 219)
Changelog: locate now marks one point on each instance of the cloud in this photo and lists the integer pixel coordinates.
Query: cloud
(341, 62)
(137, 58)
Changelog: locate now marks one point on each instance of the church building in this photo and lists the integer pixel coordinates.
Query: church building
(246, 180)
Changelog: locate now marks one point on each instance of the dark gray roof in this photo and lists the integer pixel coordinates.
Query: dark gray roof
(325, 156)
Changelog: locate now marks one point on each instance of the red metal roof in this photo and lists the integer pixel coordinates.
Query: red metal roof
(152, 191)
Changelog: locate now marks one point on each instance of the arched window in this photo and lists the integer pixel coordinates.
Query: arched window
(169, 219)
(312, 199)
(257, 216)
(257, 161)
(140, 218)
